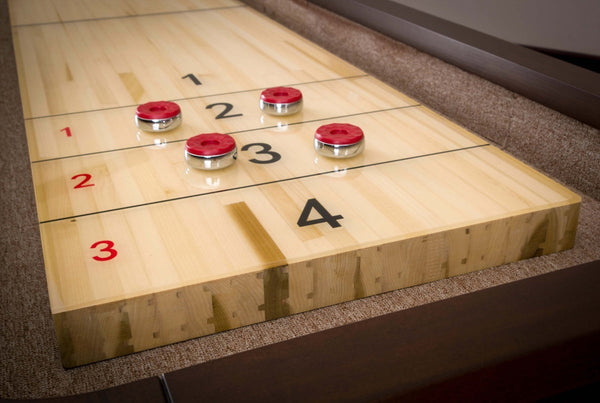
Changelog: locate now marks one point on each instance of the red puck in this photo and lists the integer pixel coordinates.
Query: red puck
(158, 110)
(210, 145)
(342, 134)
(281, 95)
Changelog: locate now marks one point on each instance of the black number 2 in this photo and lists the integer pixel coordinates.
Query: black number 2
(311, 204)
(227, 107)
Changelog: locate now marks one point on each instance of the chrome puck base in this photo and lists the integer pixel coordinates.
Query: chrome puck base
(339, 151)
(280, 109)
(158, 125)
(209, 163)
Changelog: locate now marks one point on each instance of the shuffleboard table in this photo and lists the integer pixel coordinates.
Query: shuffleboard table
(142, 250)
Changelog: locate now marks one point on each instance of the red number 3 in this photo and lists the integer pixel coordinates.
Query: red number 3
(112, 253)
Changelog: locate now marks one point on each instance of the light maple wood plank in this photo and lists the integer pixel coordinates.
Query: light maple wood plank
(161, 246)
(29, 12)
(143, 59)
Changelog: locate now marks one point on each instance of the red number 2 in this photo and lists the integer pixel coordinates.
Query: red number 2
(112, 253)
(84, 183)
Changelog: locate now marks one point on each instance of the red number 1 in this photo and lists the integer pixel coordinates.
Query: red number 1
(66, 130)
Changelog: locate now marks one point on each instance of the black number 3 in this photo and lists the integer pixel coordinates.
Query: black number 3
(264, 149)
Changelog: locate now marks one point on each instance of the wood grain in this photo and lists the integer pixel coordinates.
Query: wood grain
(226, 49)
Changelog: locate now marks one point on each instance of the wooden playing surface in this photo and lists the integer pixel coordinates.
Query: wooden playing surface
(142, 251)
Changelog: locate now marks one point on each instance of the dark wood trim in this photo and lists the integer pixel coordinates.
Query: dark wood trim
(567, 88)
(147, 390)
(523, 341)
(589, 62)
(530, 340)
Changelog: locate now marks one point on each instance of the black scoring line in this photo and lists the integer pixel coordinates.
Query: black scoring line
(262, 184)
(120, 17)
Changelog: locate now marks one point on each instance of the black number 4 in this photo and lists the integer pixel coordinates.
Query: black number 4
(311, 204)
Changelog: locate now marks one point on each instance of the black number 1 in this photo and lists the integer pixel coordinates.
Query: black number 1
(193, 78)
(311, 204)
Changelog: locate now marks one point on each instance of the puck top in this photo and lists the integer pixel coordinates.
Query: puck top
(281, 95)
(343, 134)
(158, 110)
(210, 144)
